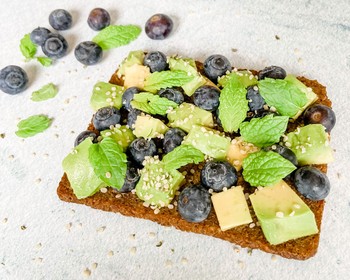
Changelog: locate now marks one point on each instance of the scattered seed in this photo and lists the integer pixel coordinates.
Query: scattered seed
(68, 226)
(11, 156)
(108, 175)
(168, 263)
(87, 272)
(5, 220)
(94, 265)
(184, 261)
(241, 264)
(250, 251)
(236, 249)
(101, 229)
(38, 180)
(152, 234)
(132, 236)
(118, 195)
(251, 225)
(38, 246)
(274, 258)
(110, 254)
(103, 190)
(132, 250)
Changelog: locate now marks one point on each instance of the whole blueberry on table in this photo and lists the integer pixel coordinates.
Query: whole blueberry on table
(60, 19)
(159, 26)
(156, 61)
(218, 175)
(98, 19)
(105, 117)
(274, 72)
(88, 53)
(132, 117)
(140, 148)
(174, 94)
(320, 114)
(83, 135)
(55, 46)
(255, 101)
(128, 95)
(13, 79)
(194, 204)
(172, 139)
(215, 66)
(39, 35)
(207, 98)
(131, 178)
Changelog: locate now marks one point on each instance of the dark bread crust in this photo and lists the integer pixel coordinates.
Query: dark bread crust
(129, 205)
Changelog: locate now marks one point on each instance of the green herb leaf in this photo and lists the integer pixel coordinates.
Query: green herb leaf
(165, 79)
(44, 61)
(106, 94)
(284, 95)
(265, 168)
(33, 125)
(109, 162)
(114, 36)
(46, 92)
(27, 47)
(152, 103)
(181, 156)
(264, 131)
(244, 76)
(233, 104)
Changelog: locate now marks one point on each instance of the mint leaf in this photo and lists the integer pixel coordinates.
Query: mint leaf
(44, 61)
(27, 47)
(233, 104)
(165, 79)
(152, 103)
(106, 94)
(265, 168)
(114, 36)
(33, 125)
(244, 76)
(284, 95)
(264, 131)
(181, 156)
(109, 162)
(46, 92)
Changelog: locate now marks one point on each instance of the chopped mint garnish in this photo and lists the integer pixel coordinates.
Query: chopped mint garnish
(109, 162)
(181, 156)
(152, 103)
(106, 94)
(46, 92)
(33, 125)
(264, 131)
(114, 36)
(265, 168)
(233, 104)
(44, 61)
(245, 77)
(165, 79)
(27, 47)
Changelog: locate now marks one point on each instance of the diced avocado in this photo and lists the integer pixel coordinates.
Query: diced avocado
(120, 134)
(80, 172)
(282, 214)
(136, 75)
(244, 76)
(157, 186)
(187, 115)
(310, 144)
(148, 127)
(134, 57)
(208, 141)
(106, 94)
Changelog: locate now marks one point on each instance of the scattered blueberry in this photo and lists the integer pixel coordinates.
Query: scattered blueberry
(105, 117)
(88, 53)
(255, 101)
(98, 19)
(156, 61)
(131, 178)
(207, 98)
(284, 152)
(194, 204)
(60, 19)
(274, 72)
(320, 114)
(128, 95)
(13, 79)
(39, 35)
(312, 183)
(172, 139)
(215, 66)
(132, 116)
(140, 148)
(55, 46)
(218, 175)
(174, 94)
(159, 26)
(83, 135)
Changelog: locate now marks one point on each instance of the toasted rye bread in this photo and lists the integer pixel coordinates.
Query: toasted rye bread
(129, 204)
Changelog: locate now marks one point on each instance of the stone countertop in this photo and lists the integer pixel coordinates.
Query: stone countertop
(43, 238)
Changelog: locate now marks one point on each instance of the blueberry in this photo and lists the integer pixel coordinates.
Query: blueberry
(83, 135)
(215, 66)
(174, 94)
(207, 98)
(172, 139)
(98, 19)
(194, 204)
(140, 148)
(128, 95)
(285, 152)
(105, 117)
(320, 114)
(55, 46)
(274, 72)
(13, 79)
(156, 61)
(132, 116)
(159, 26)
(88, 53)
(39, 35)
(131, 178)
(312, 183)
(218, 175)
(60, 19)
(255, 101)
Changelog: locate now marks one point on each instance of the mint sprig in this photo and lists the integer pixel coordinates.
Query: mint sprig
(33, 125)
(46, 92)
(181, 156)
(152, 103)
(27, 47)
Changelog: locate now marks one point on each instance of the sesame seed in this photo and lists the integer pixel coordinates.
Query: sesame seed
(291, 214)
(94, 265)
(108, 175)
(97, 88)
(255, 88)
(156, 211)
(279, 214)
(170, 206)
(274, 258)
(87, 272)
(236, 249)
(251, 225)
(288, 144)
(224, 189)
(110, 254)
(184, 261)
(296, 206)
(168, 263)
(132, 250)
(192, 171)
(103, 190)
(210, 191)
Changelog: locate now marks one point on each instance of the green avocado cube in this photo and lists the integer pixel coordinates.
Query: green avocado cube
(120, 134)
(148, 127)
(106, 94)
(134, 57)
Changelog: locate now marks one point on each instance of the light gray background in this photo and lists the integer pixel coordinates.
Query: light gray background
(62, 240)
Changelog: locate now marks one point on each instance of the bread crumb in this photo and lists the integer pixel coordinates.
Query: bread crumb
(184, 261)
(68, 226)
(132, 250)
(5, 220)
(168, 263)
(110, 254)
(39, 260)
(101, 229)
(87, 272)
(38, 246)
(38, 180)
(152, 234)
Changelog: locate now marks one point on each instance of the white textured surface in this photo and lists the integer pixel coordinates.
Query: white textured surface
(314, 41)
